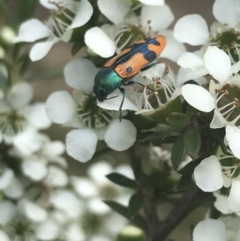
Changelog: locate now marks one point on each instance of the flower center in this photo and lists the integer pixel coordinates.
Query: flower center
(62, 16)
(127, 35)
(11, 123)
(159, 90)
(228, 103)
(92, 116)
(229, 42)
(230, 165)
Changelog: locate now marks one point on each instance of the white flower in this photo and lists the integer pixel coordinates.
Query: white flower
(58, 27)
(224, 229)
(77, 111)
(109, 37)
(17, 116)
(210, 230)
(218, 64)
(210, 176)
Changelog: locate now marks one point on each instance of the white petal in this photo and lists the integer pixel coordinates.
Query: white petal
(125, 170)
(234, 196)
(28, 141)
(40, 50)
(227, 12)
(14, 190)
(190, 60)
(80, 74)
(83, 15)
(233, 138)
(153, 2)
(48, 230)
(81, 144)
(198, 97)
(8, 211)
(31, 31)
(56, 177)
(221, 203)
(114, 103)
(104, 46)
(208, 174)
(75, 232)
(35, 170)
(210, 230)
(218, 121)
(37, 116)
(98, 171)
(217, 63)
(48, 4)
(98, 207)
(60, 107)
(114, 10)
(235, 68)
(120, 135)
(67, 201)
(191, 29)
(34, 211)
(6, 178)
(20, 95)
(150, 17)
(84, 187)
(187, 74)
(173, 49)
(53, 149)
(4, 236)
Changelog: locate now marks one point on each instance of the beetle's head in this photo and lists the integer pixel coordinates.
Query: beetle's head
(100, 93)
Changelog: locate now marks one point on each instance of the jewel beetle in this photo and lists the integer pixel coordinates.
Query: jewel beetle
(119, 70)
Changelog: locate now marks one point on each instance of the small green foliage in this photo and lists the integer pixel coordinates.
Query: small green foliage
(177, 152)
(121, 180)
(178, 120)
(162, 113)
(138, 220)
(135, 204)
(192, 141)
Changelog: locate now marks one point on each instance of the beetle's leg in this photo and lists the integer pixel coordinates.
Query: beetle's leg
(120, 108)
(131, 82)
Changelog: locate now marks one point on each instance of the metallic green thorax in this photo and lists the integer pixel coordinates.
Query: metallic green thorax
(106, 81)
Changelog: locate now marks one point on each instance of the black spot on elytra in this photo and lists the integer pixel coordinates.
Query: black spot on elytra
(129, 70)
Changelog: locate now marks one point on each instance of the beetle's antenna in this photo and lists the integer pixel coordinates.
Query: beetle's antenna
(112, 97)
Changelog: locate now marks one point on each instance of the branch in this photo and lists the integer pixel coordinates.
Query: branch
(189, 201)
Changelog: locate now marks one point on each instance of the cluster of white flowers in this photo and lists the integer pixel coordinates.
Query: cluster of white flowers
(217, 58)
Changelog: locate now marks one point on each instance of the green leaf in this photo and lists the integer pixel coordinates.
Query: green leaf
(189, 168)
(121, 180)
(135, 204)
(159, 115)
(178, 119)
(177, 152)
(192, 141)
(161, 137)
(138, 220)
(119, 208)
